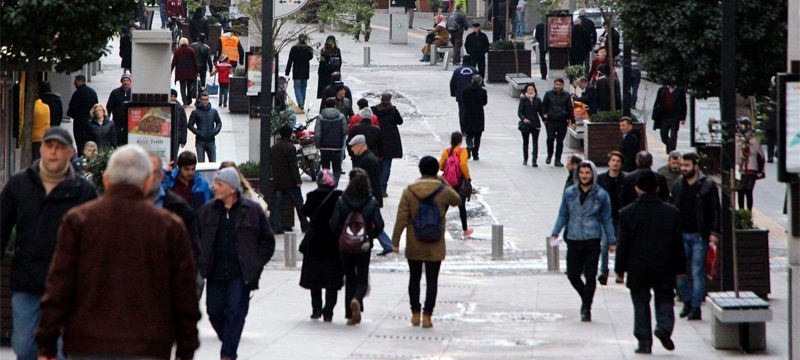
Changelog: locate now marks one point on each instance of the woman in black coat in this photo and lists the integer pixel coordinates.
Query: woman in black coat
(474, 98)
(389, 118)
(322, 268)
(330, 61)
(126, 49)
(101, 129)
(529, 113)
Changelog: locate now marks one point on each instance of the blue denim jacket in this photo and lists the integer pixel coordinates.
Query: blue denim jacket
(588, 220)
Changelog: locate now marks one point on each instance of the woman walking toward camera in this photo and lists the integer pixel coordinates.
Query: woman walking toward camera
(529, 113)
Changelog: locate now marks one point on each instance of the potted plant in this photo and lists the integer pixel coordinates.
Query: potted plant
(602, 135)
(573, 73)
(239, 103)
(94, 167)
(250, 171)
(752, 256)
(505, 57)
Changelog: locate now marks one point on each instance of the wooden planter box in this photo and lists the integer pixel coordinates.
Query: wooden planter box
(501, 62)
(752, 247)
(238, 101)
(601, 138)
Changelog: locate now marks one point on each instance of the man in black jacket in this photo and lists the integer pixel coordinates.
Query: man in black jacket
(541, 38)
(182, 122)
(204, 65)
(557, 105)
(456, 25)
(477, 45)
(330, 133)
(669, 113)
(198, 24)
(697, 198)
(475, 98)
(603, 90)
(300, 56)
(236, 243)
(286, 179)
(116, 106)
(644, 160)
(611, 182)
(462, 77)
(650, 250)
(80, 105)
(629, 145)
(205, 124)
(33, 202)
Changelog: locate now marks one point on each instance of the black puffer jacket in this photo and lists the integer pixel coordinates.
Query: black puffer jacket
(37, 217)
(104, 135)
(330, 129)
(558, 106)
(531, 110)
(390, 135)
(205, 123)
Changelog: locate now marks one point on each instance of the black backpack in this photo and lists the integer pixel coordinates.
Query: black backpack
(427, 221)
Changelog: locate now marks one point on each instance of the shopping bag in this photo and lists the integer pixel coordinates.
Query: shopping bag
(711, 261)
(213, 88)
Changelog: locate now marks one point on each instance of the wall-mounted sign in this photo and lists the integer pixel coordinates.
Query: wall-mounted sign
(789, 127)
(705, 121)
(559, 31)
(151, 127)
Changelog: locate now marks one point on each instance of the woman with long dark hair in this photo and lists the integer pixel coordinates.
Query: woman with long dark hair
(330, 61)
(529, 113)
(459, 182)
(357, 220)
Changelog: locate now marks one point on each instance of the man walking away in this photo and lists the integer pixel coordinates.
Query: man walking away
(419, 251)
(589, 28)
(541, 39)
(184, 63)
(697, 198)
(143, 302)
(557, 113)
(236, 243)
(456, 25)
(52, 100)
(116, 107)
(672, 171)
(364, 159)
(286, 179)
(204, 65)
(205, 124)
(372, 137)
(80, 106)
(389, 118)
(669, 113)
(602, 93)
(611, 182)
(198, 24)
(644, 162)
(34, 201)
(584, 226)
(477, 45)
(329, 132)
(185, 181)
(629, 145)
(462, 77)
(474, 98)
(650, 250)
(300, 56)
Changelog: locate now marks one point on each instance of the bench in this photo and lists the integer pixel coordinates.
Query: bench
(447, 52)
(739, 322)
(575, 137)
(517, 82)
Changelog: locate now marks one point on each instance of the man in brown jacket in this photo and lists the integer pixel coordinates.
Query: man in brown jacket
(121, 286)
(420, 252)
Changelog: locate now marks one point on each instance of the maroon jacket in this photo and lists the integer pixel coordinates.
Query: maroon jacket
(121, 285)
(184, 62)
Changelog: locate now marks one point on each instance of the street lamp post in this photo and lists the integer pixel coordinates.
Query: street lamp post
(265, 108)
(728, 107)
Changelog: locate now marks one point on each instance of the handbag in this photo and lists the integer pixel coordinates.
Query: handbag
(213, 88)
(303, 248)
(711, 261)
(465, 190)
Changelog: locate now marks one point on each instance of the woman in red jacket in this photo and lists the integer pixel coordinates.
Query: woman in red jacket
(184, 63)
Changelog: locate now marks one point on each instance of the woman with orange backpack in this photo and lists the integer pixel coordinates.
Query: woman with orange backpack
(455, 171)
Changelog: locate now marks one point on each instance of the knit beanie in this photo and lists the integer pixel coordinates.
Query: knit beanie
(231, 177)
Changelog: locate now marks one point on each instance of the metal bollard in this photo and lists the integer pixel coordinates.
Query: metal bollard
(553, 262)
(367, 59)
(497, 241)
(290, 249)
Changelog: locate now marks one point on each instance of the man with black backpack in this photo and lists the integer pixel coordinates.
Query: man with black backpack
(421, 214)
(456, 25)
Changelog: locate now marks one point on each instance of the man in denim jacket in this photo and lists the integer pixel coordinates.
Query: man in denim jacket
(586, 214)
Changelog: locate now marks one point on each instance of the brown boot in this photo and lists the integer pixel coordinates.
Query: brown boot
(415, 318)
(355, 308)
(426, 321)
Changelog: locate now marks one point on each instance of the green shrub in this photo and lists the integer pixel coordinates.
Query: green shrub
(250, 169)
(279, 119)
(744, 219)
(97, 166)
(574, 72)
(240, 71)
(507, 45)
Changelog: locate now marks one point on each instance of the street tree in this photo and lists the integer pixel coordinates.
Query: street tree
(45, 35)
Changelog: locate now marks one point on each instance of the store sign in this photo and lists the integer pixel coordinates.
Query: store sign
(706, 115)
(150, 126)
(559, 31)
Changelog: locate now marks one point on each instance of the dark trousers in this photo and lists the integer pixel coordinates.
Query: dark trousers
(556, 131)
(122, 131)
(188, 90)
(275, 207)
(462, 209)
(227, 303)
(636, 79)
(474, 142)
(669, 133)
(498, 29)
(543, 62)
(745, 195)
(356, 279)
(526, 136)
(772, 142)
(331, 295)
(328, 158)
(223, 94)
(457, 40)
(480, 63)
(202, 76)
(431, 284)
(582, 258)
(665, 316)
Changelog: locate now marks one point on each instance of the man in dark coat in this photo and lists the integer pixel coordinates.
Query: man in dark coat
(650, 250)
(184, 63)
(126, 49)
(198, 24)
(34, 201)
(669, 113)
(371, 133)
(364, 158)
(611, 182)
(474, 98)
(557, 104)
(331, 90)
(588, 95)
(389, 119)
(589, 28)
(462, 77)
(615, 37)
(644, 160)
(629, 145)
(53, 101)
(300, 56)
(540, 34)
(116, 106)
(182, 122)
(456, 25)
(80, 105)
(286, 179)
(602, 92)
(204, 65)
(477, 45)
(580, 41)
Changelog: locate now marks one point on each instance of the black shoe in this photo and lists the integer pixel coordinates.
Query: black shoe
(687, 308)
(547, 161)
(316, 315)
(524, 162)
(586, 314)
(327, 318)
(534, 164)
(558, 164)
(385, 195)
(695, 314)
(603, 278)
(469, 153)
(385, 252)
(665, 340)
(644, 349)
(770, 161)
(475, 156)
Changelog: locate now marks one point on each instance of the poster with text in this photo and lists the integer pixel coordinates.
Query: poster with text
(706, 122)
(792, 139)
(149, 127)
(253, 75)
(559, 31)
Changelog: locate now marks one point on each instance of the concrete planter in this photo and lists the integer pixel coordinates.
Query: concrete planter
(600, 138)
(752, 247)
(502, 62)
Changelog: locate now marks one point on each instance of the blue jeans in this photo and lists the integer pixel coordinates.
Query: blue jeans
(206, 147)
(162, 10)
(300, 91)
(386, 170)
(25, 314)
(385, 241)
(227, 303)
(695, 249)
(520, 23)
